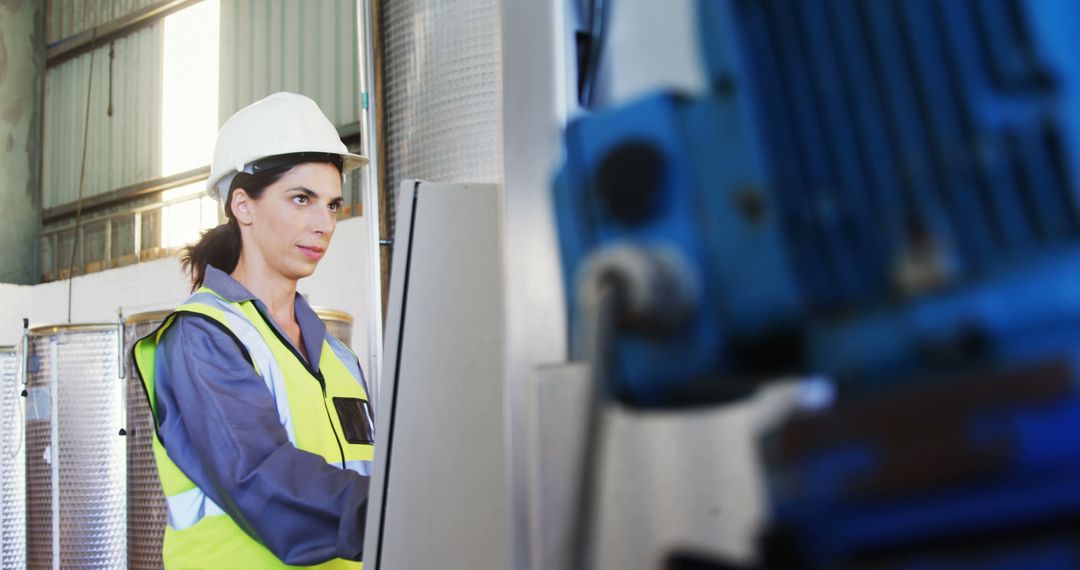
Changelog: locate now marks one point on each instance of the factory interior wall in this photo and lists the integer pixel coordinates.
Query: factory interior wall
(21, 62)
(341, 282)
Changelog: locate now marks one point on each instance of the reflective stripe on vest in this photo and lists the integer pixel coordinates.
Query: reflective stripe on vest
(260, 353)
(187, 508)
(361, 466)
(190, 507)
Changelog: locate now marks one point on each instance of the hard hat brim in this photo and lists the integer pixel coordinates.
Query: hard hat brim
(349, 163)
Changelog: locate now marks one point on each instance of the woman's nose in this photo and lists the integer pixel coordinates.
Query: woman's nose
(323, 223)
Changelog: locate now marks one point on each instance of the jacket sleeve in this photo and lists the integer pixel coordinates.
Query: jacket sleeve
(220, 426)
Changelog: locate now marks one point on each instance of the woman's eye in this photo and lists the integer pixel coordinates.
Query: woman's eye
(335, 207)
(300, 199)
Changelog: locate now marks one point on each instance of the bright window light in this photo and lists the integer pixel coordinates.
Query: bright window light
(182, 223)
(189, 110)
(189, 105)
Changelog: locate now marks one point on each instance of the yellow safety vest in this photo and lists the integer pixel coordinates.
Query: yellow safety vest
(199, 534)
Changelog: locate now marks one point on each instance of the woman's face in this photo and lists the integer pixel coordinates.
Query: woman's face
(293, 220)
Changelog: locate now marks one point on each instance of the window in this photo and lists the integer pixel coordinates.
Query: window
(188, 118)
(186, 213)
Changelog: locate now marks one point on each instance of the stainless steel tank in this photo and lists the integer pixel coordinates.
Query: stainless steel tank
(12, 462)
(75, 468)
(338, 323)
(145, 500)
(441, 92)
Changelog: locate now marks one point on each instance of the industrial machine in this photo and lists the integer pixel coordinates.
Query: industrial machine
(880, 193)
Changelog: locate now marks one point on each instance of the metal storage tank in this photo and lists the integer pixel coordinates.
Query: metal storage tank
(75, 473)
(145, 500)
(441, 91)
(12, 462)
(338, 323)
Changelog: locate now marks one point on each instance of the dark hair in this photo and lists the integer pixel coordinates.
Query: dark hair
(221, 246)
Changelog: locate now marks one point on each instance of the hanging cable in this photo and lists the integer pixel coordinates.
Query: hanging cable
(620, 287)
(599, 310)
(112, 55)
(82, 180)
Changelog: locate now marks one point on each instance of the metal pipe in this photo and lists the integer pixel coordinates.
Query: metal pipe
(377, 137)
(138, 235)
(128, 193)
(125, 213)
(160, 184)
(26, 353)
(54, 447)
(108, 240)
(366, 27)
(66, 48)
(121, 370)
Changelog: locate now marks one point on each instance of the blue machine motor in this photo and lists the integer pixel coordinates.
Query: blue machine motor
(884, 192)
(854, 158)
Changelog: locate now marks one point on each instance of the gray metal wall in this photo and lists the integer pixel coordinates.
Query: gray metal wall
(266, 46)
(69, 17)
(122, 149)
(292, 45)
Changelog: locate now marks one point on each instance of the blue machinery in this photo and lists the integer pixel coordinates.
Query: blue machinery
(884, 192)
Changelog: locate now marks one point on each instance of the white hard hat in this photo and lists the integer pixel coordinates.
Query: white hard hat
(283, 123)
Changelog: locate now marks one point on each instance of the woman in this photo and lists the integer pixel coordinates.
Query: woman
(264, 432)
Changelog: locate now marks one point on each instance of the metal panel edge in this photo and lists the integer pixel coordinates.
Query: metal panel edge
(534, 108)
(391, 347)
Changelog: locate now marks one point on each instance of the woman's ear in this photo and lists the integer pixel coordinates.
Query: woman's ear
(241, 206)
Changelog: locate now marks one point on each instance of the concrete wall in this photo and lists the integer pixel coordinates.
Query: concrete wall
(22, 61)
(341, 282)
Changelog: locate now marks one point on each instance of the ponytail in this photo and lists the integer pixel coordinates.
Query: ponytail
(219, 247)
